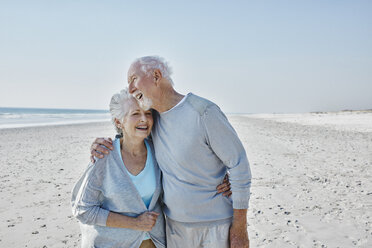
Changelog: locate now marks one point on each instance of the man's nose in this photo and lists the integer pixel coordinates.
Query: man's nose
(131, 88)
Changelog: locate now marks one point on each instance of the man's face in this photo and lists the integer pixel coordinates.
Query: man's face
(140, 85)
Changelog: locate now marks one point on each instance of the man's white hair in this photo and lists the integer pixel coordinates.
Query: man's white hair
(119, 107)
(148, 64)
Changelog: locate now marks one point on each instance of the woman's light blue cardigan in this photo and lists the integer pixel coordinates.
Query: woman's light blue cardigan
(106, 186)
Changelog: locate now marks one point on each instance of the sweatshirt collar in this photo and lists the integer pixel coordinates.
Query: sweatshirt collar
(177, 105)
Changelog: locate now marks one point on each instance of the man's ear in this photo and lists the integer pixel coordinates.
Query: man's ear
(157, 76)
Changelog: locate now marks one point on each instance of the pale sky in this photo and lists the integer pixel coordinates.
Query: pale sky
(246, 56)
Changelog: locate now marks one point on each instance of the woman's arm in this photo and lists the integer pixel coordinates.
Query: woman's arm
(86, 198)
(86, 205)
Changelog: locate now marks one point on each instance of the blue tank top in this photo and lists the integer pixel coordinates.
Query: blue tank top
(145, 181)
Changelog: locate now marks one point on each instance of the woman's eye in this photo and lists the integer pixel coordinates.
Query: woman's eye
(136, 113)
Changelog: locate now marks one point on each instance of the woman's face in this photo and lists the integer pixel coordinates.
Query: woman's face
(137, 122)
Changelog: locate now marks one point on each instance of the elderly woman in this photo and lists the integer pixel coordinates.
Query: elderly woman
(117, 198)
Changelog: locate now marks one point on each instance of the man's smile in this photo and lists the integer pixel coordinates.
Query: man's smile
(139, 96)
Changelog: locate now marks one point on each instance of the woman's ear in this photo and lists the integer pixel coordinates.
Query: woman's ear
(117, 123)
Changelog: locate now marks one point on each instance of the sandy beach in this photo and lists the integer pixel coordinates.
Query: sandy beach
(312, 180)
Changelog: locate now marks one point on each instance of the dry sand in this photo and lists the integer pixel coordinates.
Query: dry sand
(311, 183)
(39, 166)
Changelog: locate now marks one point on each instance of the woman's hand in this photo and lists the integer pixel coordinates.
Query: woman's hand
(146, 221)
(224, 187)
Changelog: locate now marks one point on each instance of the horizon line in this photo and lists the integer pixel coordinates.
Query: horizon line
(53, 108)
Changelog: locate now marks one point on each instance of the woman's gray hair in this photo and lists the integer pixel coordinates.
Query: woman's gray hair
(119, 107)
(150, 63)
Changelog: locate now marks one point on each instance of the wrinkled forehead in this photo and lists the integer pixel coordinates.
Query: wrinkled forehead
(134, 70)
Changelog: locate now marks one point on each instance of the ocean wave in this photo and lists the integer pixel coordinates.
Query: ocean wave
(19, 117)
(23, 116)
(55, 123)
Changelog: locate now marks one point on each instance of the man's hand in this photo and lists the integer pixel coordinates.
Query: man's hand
(224, 187)
(146, 221)
(238, 230)
(100, 148)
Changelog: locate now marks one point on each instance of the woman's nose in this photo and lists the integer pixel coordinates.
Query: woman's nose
(143, 117)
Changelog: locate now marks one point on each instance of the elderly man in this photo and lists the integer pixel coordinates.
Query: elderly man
(195, 146)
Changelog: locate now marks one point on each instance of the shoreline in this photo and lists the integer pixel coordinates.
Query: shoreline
(280, 117)
(51, 124)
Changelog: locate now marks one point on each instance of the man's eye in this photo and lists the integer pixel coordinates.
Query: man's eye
(136, 113)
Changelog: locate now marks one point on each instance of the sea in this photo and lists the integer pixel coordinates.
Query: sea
(28, 117)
